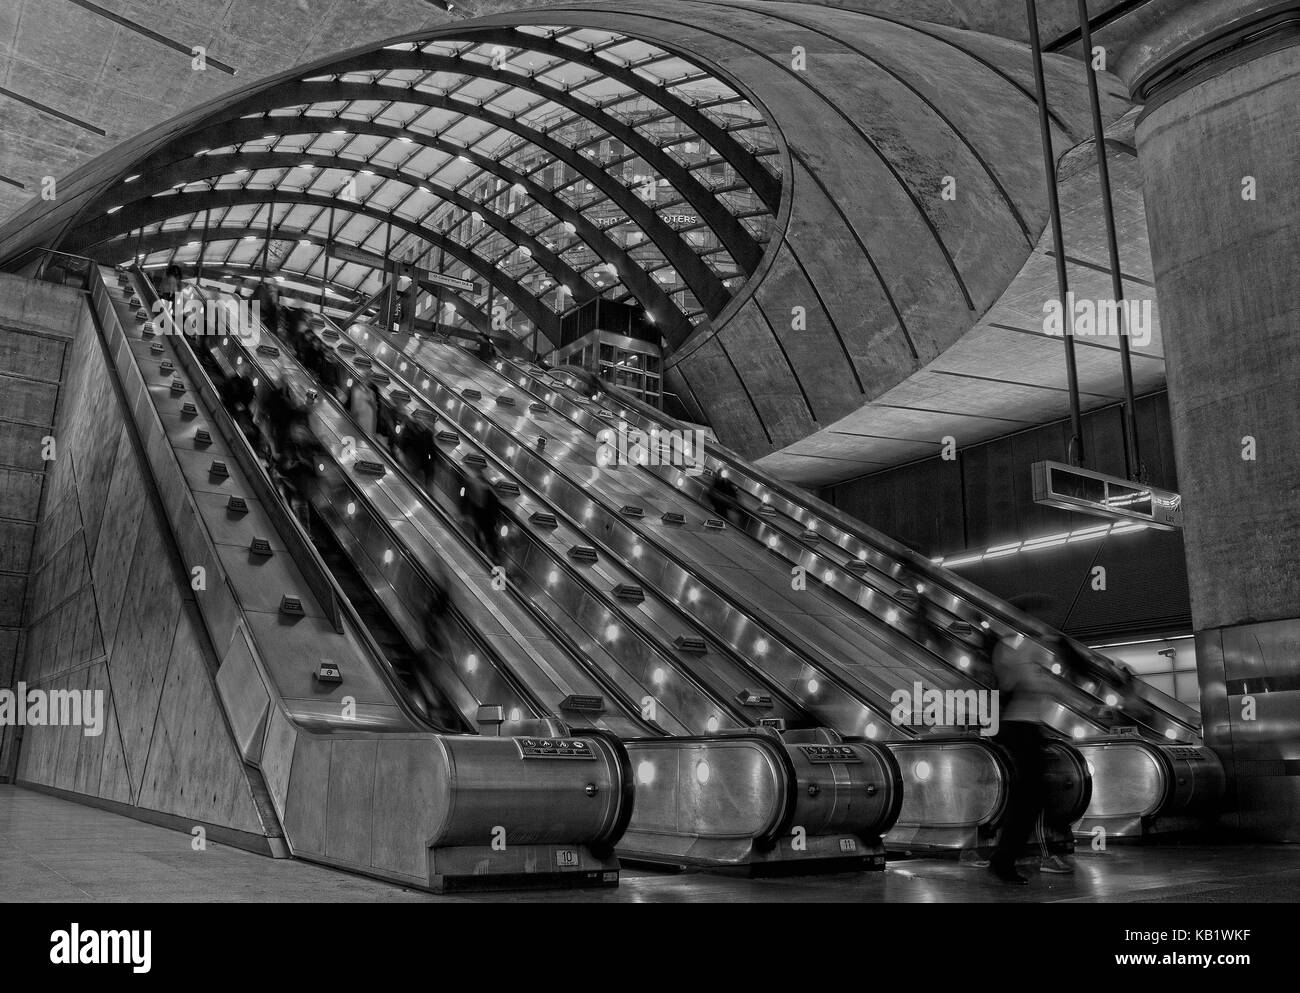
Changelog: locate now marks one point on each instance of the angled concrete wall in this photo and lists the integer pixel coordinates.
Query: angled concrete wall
(110, 610)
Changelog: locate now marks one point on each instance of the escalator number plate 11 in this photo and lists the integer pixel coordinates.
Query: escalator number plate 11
(848, 845)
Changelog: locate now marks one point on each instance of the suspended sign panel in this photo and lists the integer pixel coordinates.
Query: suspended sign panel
(1071, 488)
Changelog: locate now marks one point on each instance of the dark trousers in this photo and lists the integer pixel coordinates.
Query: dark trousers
(1024, 742)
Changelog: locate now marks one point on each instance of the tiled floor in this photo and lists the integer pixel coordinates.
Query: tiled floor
(55, 850)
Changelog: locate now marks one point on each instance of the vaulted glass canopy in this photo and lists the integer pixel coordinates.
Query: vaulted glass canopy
(548, 165)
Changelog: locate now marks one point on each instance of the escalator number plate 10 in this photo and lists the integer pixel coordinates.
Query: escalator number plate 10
(829, 753)
(566, 858)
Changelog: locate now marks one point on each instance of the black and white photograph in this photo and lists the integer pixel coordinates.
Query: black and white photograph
(498, 461)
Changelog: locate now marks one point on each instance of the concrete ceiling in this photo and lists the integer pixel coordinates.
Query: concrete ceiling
(78, 77)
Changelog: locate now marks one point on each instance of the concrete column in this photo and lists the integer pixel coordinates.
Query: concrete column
(1219, 149)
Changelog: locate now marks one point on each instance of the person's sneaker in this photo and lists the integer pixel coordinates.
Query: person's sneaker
(1007, 874)
(1056, 863)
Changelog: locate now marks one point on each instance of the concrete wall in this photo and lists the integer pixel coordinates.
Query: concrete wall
(36, 322)
(110, 610)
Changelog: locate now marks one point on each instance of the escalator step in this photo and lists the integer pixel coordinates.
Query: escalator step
(543, 519)
(537, 408)
(588, 704)
(330, 334)
(400, 395)
(507, 486)
(370, 468)
(767, 510)
(748, 698)
(450, 437)
(347, 348)
(165, 367)
(156, 348)
(189, 410)
(908, 598)
(630, 592)
(856, 565)
(261, 546)
(583, 553)
(237, 505)
(378, 378)
(812, 537)
(673, 518)
(268, 350)
(424, 414)
(202, 437)
(363, 362)
(218, 469)
(506, 401)
(292, 605)
(629, 510)
(962, 629)
(713, 524)
(691, 643)
(471, 394)
(134, 301)
(177, 387)
(148, 329)
(475, 459)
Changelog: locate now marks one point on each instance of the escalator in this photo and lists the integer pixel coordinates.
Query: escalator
(958, 784)
(522, 625)
(899, 651)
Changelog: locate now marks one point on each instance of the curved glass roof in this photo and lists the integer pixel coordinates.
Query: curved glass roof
(549, 165)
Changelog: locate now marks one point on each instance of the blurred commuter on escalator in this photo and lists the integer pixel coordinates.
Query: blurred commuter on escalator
(267, 298)
(724, 498)
(301, 464)
(363, 404)
(418, 449)
(1025, 691)
(481, 508)
(487, 349)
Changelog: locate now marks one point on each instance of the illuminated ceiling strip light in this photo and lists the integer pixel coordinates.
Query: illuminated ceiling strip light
(1034, 544)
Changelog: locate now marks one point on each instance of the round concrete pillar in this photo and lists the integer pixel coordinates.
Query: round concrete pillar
(1219, 150)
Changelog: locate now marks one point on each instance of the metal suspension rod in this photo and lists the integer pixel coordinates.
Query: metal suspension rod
(1132, 457)
(1075, 455)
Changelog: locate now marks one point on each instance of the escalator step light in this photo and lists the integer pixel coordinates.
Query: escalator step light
(260, 546)
(671, 518)
(363, 362)
(812, 536)
(508, 486)
(713, 524)
(177, 387)
(188, 409)
(290, 604)
(450, 437)
(589, 704)
(505, 401)
(628, 510)
(857, 565)
(270, 350)
(202, 437)
(166, 368)
(370, 468)
(156, 348)
(237, 504)
(537, 408)
(629, 591)
(583, 553)
(691, 643)
(767, 510)
(543, 519)
(347, 348)
(141, 315)
(401, 396)
(475, 459)
(471, 394)
(218, 469)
